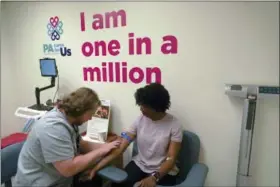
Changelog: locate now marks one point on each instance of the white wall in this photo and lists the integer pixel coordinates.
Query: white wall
(218, 43)
(9, 91)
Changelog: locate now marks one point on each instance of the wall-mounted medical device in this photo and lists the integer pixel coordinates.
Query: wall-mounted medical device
(250, 94)
(48, 68)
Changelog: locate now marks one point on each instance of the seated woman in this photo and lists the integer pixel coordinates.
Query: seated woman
(159, 137)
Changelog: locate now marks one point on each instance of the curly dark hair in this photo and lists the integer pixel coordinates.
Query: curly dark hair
(154, 96)
(80, 101)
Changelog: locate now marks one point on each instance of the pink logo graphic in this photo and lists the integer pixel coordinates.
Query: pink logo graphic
(55, 28)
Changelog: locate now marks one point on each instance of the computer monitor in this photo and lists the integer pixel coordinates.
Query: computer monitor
(48, 67)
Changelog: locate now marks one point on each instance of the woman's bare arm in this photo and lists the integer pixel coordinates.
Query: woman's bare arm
(115, 153)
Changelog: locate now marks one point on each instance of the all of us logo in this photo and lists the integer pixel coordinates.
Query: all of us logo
(55, 31)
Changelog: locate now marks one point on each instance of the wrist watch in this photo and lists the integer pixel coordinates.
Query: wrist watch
(156, 175)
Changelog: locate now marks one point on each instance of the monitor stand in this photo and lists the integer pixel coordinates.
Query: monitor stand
(38, 106)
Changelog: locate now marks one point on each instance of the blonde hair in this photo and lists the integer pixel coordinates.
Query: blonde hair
(80, 101)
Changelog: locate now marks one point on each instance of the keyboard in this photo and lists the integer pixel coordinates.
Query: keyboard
(41, 107)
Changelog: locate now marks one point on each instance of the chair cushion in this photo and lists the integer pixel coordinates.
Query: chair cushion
(9, 159)
(12, 139)
(188, 155)
(113, 174)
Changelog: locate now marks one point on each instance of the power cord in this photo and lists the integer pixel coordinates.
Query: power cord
(56, 89)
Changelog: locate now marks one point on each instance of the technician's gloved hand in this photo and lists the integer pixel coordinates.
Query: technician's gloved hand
(105, 149)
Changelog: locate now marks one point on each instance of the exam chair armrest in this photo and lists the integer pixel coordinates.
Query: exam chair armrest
(113, 174)
(195, 178)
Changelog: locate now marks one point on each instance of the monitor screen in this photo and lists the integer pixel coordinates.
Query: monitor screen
(48, 67)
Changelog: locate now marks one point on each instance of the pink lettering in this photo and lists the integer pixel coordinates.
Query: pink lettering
(139, 45)
(114, 15)
(124, 71)
(98, 48)
(91, 72)
(140, 75)
(157, 75)
(131, 43)
(110, 19)
(87, 49)
(147, 42)
(82, 17)
(104, 72)
(97, 45)
(98, 22)
(171, 47)
(114, 47)
(111, 72)
(118, 72)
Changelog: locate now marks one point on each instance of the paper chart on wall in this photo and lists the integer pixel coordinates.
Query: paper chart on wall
(97, 127)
